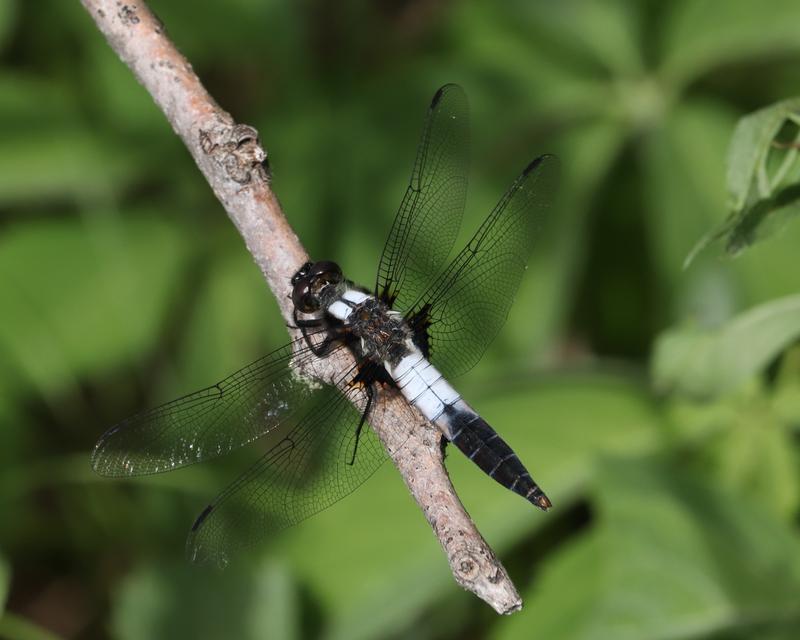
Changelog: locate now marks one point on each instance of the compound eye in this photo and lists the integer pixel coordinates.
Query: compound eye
(303, 301)
(302, 272)
(326, 270)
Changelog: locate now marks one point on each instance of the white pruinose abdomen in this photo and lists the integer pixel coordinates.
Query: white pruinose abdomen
(419, 381)
(424, 387)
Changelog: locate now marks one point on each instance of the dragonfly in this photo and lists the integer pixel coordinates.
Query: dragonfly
(426, 321)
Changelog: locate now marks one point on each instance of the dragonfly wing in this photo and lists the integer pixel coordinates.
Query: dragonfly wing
(208, 423)
(461, 313)
(427, 223)
(307, 470)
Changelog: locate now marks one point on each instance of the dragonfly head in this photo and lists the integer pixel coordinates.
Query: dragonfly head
(311, 281)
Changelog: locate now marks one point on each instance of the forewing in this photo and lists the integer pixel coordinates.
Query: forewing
(461, 313)
(429, 217)
(305, 472)
(210, 422)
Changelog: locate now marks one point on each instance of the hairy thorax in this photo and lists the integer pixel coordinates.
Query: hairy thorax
(382, 332)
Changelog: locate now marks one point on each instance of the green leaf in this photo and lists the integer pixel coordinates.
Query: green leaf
(700, 35)
(235, 321)
(277, 610)
(71, 290)
(689, 557)
(5, 582)
(14, 627)
(684, 193)
(520, 51)
(14, 433)
(26, 102)
(786, 397)
(46, 149)
(159, 601)
(118, 96)
(670, 557)
(8, 10)
(565, 597)
(751, 143)
(76, 165)
(757, 222)
(707, 362)
(547, 285)
(600, 31)
(756, 458)
(761, 201)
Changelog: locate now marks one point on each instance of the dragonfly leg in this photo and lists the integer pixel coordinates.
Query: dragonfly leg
(310, 323)
(320, 349)
(305, 324)
(370, 397)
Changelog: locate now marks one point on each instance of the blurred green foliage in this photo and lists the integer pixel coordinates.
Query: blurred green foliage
(659, 407)
(763, 174)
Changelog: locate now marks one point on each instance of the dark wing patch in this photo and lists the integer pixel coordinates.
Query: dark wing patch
(420, 322)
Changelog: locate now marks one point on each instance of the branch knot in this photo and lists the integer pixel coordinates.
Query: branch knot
(237, 149)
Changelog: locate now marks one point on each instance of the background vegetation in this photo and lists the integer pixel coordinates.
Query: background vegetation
(659, 407)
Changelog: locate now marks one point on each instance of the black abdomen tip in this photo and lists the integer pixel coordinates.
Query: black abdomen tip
(537, 498)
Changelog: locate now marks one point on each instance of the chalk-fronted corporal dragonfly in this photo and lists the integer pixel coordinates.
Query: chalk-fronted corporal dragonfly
(425, 322)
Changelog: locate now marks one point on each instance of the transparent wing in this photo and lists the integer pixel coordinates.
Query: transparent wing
(307, 471)
(429, 217)
(210, 422)
(461, 313)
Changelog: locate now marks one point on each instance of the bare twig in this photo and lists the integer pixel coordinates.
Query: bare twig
(230, 157)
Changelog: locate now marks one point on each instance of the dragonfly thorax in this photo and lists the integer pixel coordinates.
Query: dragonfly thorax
(383, 333)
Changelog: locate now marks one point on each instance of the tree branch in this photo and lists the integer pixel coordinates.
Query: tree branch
(231, 158)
